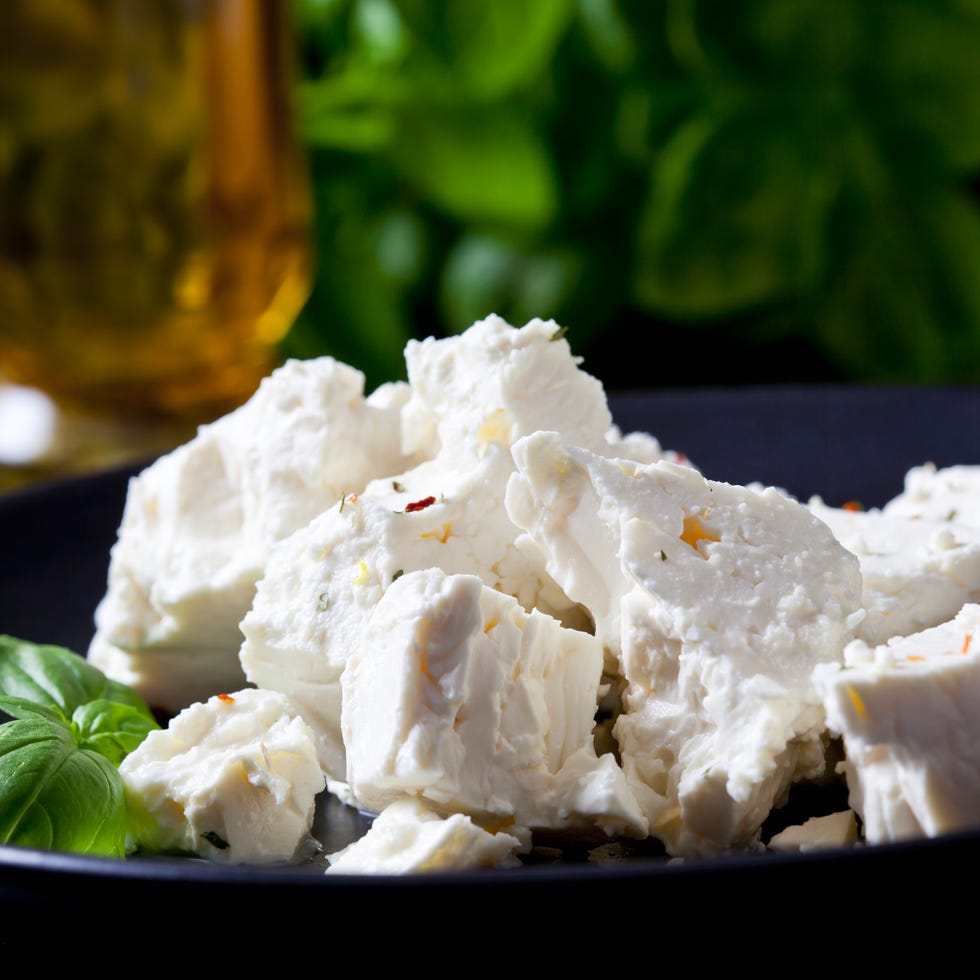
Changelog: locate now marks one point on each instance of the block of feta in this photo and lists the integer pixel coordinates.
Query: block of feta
(907, 712)
(461, 697)
(410, 838)
(321, 584)
(818, 833)
(472, 395)
(494, 382)
(917, 572)
(232, 779)
(718, 600)
(198, 523)
(948, 494)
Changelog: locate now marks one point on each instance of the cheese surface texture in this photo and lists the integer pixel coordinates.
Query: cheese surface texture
(917, 572)
(409, 838)
(718, 601)
(951, 493)
(471, 610)
(472, 396)
(199, 522)
(460, 697)
(907, 712)
(233, 779)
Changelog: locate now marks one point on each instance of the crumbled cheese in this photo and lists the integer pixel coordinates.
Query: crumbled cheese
(948, 494)
(917, 572)
(474, 606)
(232, 779)
(495, 381)
(718, 601)
(199, 522)
(906, 711)
(818, 833)
(410, 838)
(459, 696)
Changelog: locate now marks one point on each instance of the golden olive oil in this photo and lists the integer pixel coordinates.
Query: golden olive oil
(154, 206)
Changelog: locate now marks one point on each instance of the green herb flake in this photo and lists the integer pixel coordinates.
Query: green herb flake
(559, 333)
(663, 555)
(398, 575)
(321, 602)
(397, 487)
(215, 840)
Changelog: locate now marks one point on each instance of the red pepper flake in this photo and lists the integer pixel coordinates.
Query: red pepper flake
(225, 697)
(419, 504)
(853, 505)
(966, 642)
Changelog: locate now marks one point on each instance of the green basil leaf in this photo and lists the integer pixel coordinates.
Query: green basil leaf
(734, 218)
(56, 796)
(482, 51)
(481, 165)
(111, 729)
(904, 297)
(56, 677)
(21, 708)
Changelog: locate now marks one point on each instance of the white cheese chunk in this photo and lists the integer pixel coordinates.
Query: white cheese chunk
(907, 711)
(917, 572)
(409, 838)
(948, 494)
(459, 696)
(199, 522)
(818, 833)
(473, 395)
(321, 585)
(494, 383)
(641, 447)
(718, 600)
(233, 779)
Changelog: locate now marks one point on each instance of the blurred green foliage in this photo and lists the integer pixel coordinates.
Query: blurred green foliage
(728, 174)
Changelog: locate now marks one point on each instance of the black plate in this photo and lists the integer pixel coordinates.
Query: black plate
(843, 443)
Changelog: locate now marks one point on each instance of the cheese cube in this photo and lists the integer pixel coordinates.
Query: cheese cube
(818, 833)
(233, 779)
(199, 522)
(907, 712)
(460, 697)
(917, 572)
(409, 838)
(718, 601)
(950, 494)
(472, 395)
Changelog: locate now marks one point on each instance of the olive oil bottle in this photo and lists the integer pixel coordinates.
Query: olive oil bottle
(154, 207)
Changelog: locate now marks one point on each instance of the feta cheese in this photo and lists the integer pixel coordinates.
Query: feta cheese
(199, 522)
(321, 584)
(917, 572)
(409, 838)
(718, 601)
(830, 830)
(232, 779)
(907, 712)
(949, 494)
(494, 383)
(459, 696)
(472, 395)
